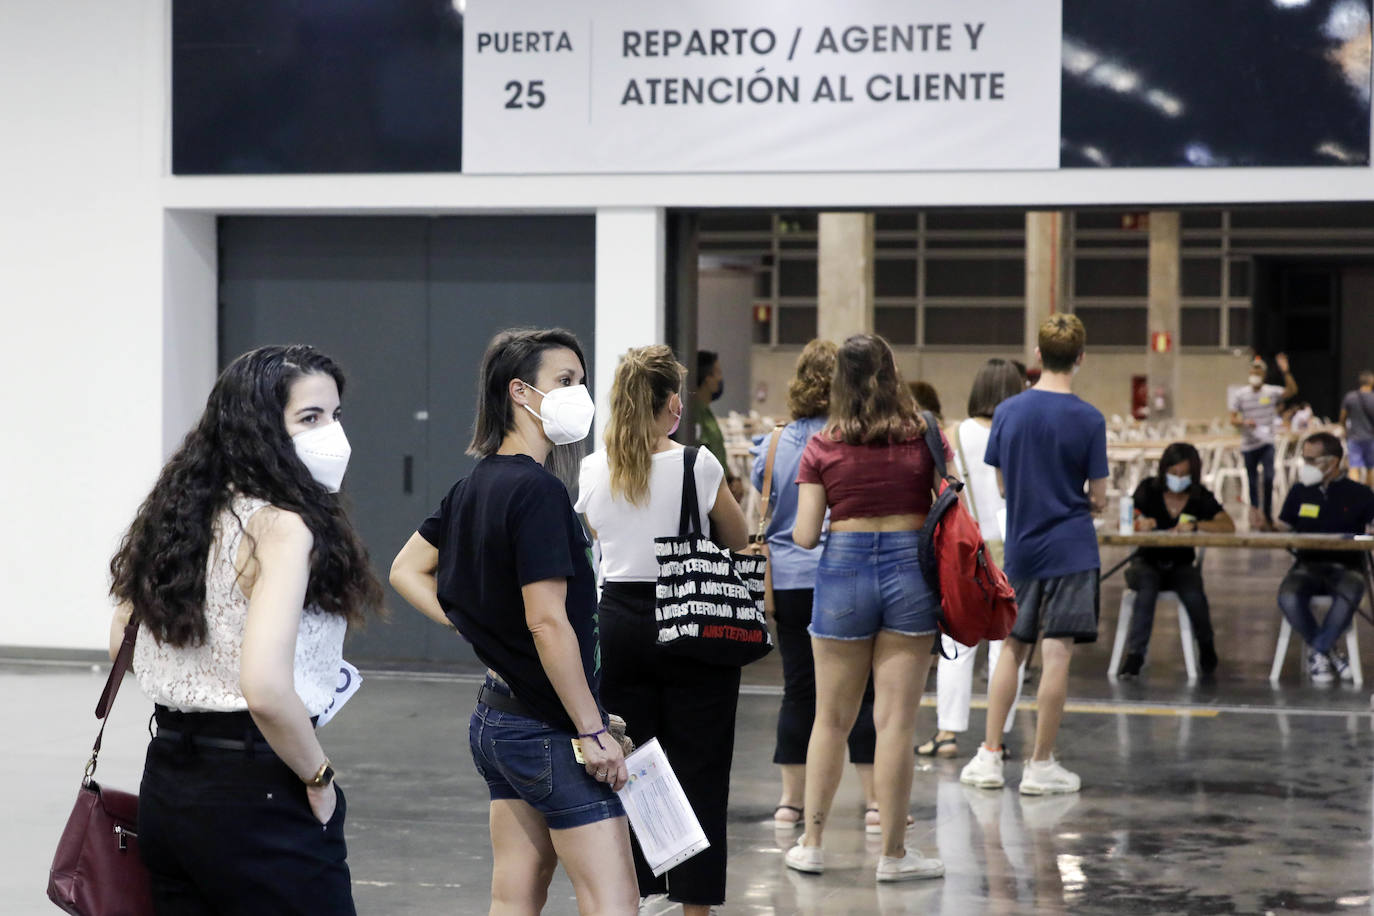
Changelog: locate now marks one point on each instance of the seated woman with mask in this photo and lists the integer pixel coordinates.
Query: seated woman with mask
(1172, 500)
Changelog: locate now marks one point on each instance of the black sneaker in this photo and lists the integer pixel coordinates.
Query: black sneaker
(1207, 658)
(1341, 665)
(1131, 665)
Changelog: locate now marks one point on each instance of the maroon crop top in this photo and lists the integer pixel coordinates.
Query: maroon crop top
(864, 481)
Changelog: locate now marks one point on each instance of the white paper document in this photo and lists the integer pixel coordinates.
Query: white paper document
(349, 682)
(660, 815)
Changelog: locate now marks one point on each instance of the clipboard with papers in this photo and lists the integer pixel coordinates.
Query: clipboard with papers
(660, 814)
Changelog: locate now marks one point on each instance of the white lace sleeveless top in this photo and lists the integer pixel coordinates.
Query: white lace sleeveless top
(205, 678)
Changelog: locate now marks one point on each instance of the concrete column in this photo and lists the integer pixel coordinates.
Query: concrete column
(846, 275)
(631, 253)
(1161, 366)
(1044, 272)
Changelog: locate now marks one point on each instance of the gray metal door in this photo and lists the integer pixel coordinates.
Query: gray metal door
(406, 305)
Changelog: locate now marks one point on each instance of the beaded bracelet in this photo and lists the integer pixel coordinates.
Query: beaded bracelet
(594, 736)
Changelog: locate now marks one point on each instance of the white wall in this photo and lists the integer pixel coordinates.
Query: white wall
(108, 282)
(81, 380)
(630, 284)
(725, 325)
(189, 320)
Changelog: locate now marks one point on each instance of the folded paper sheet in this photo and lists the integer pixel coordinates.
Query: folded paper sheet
(660, 815)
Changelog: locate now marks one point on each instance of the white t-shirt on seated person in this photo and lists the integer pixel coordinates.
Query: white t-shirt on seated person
(626, 531)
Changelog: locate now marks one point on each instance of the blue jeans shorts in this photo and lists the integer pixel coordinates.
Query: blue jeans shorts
(1361, 452)
(871, 581)
(525, 758)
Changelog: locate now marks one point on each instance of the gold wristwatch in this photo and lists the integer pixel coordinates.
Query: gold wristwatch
(323, 776)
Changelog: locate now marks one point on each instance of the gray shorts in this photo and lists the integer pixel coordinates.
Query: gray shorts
(1061, 607)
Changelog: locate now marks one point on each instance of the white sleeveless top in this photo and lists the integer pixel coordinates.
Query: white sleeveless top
(205, 678)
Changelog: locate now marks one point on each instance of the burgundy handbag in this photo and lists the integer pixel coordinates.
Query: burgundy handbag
(97, 870)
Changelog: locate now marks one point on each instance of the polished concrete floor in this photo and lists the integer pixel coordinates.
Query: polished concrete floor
(1228, 797)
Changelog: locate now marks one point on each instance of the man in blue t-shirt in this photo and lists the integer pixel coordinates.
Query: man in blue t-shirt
(1050, 451)
(1323, 501)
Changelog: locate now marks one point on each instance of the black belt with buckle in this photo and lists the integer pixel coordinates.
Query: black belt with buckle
(504, 702)
(228, 744)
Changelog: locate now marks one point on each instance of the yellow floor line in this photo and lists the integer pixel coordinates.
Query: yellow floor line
(1105, 708)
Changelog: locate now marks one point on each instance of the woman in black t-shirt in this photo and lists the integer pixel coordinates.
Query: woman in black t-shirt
(506, 561)
(1173, 500)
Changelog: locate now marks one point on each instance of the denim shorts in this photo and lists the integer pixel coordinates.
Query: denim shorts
(1361, 452)
(871, 581)
(525, 758)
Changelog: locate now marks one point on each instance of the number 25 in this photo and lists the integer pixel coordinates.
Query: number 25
(534, 94)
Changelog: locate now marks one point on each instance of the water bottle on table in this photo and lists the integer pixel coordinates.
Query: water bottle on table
(1127, 516)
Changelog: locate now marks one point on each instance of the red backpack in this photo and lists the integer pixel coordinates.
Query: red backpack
(976, 600)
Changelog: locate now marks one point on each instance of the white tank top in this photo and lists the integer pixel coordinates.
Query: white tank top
(205, 678)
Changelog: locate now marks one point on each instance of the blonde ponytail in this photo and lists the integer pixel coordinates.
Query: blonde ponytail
(644, 381)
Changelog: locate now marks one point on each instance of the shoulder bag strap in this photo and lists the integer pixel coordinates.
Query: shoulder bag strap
(937, 447)
(689, 521)
(1359, 399)
(121, 664)
(968, 476)
(765, 511)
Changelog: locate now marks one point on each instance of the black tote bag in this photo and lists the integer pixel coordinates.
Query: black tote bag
(709, 601)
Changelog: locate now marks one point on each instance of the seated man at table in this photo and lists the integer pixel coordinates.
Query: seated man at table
(1325, 502)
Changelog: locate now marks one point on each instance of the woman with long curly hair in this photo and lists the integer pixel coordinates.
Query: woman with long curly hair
(506, 561)
(243, 572)
(873, 611)
(793, 570)
(630, 494)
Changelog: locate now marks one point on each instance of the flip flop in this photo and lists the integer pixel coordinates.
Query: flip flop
(873, 824)
(941, 747)
(784, 823)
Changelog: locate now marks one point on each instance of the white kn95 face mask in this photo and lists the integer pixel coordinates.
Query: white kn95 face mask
(1310, 475)
(324, 451)
(567, 413)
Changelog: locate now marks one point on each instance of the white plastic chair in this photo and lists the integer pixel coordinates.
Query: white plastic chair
(1230, 466)
(1123, 626)
(1352, 644)
(1185, 628)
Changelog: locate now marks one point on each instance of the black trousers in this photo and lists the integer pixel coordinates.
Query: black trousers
(792, 614)
(690, 708)
(1259, 469)
(231, 832)
(1149, 580)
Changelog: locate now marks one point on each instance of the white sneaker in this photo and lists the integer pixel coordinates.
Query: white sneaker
(655, 904)
(1047, 777)
(809, 859)
(1319, 667)
(984, 770)
(909, 867)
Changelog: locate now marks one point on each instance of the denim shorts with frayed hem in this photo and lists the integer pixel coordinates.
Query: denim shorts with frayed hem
(871, 581)
(525, 758)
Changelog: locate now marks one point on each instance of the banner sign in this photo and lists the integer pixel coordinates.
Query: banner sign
(552, 86)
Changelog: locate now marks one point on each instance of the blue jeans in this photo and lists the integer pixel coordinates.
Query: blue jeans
(1304, 580)
(871, 581)
(524, 758)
